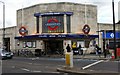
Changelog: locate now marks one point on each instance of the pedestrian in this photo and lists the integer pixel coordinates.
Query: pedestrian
(107, 50)
(68, 48)
(98, 50)
(18, 52)
(80, 50)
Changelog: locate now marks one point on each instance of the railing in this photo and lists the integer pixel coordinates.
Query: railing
(24, 53)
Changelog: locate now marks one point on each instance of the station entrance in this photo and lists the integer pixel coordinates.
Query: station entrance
(54, 46)
(7, 44)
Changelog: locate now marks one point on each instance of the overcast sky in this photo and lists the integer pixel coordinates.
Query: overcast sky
(104, 9)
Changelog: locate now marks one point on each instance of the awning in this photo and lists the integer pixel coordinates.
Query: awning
(56, 36)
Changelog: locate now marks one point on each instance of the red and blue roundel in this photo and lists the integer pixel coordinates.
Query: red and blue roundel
(53, 24)
(23, 31)
(86, 29)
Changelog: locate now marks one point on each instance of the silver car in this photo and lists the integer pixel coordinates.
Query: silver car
(5, 55)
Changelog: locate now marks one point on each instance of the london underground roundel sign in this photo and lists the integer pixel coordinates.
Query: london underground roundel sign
(52, 24)
(86, 29)
(22, 31)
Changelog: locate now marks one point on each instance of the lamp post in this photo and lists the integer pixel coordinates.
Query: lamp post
(3, 22)
(98, 33)
(115, 52)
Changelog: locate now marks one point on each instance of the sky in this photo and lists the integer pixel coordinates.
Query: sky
(104, 8)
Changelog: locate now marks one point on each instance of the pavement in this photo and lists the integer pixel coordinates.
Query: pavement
(87, 56)
(81, 71)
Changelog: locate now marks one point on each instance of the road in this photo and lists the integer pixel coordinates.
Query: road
(49, 65)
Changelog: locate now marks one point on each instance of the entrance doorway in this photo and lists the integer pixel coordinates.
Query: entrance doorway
(54, 46)
(7, 44)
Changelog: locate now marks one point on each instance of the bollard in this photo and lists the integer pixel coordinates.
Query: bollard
(69, 59)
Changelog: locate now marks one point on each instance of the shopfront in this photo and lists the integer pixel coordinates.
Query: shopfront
(108, 38)
(55, 43)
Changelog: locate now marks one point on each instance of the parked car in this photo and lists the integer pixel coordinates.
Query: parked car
(5, 55)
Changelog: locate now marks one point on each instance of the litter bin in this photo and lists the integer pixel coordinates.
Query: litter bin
(37, 52)
(118, 52)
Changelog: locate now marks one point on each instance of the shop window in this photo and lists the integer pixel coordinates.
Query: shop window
(24, 44)
(34, 44)
(29, 44)
(111, 45)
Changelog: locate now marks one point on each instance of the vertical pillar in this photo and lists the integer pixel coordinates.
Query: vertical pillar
(71, 23)
(65, 24)
(37, 24)
(40, 25)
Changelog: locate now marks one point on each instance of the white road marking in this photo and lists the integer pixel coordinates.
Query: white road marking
(25, 69)
(92, 64)
(36, 71)
(30, 63)
(13, 66)
(55, 72)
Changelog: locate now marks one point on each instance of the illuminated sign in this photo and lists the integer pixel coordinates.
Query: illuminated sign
(56, 36)
(53, 24)
(52, 13)
(110, 34)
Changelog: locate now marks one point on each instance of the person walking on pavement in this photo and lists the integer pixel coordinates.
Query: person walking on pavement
(80, 50)
(98, 50)
(107, 50)
(68, 48)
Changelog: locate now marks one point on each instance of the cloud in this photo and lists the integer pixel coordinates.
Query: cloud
(13, 5)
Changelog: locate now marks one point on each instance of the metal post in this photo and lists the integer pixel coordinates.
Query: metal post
(98, 34)
(114, 30)
(3, 22)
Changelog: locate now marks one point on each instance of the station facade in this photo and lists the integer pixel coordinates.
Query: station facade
(51, 26)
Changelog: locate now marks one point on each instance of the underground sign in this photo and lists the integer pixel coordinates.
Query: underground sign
(53, 24)
(86, 29)
(22, 31)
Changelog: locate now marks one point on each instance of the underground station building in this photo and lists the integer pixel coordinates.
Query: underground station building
(52, 26)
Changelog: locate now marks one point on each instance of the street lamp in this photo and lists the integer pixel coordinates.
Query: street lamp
(3, 22)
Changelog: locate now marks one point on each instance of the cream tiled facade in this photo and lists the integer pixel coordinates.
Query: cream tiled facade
(77, 19)
(26, 18)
